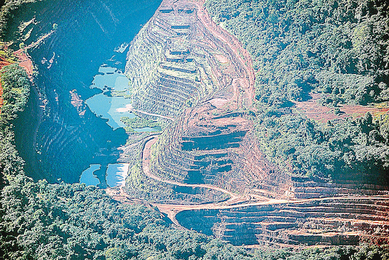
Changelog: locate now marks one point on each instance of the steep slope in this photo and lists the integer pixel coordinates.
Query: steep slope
(322, 83)
(184, 66)
(210, 102)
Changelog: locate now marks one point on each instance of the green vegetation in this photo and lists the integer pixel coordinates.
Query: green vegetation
(63, 221)
(39, 220)
(7, 11)
(16, 87)
(335, 151)
(138, 122)
(5, 53)
(336, 48)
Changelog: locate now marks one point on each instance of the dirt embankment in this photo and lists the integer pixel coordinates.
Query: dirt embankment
(241, 54)
(24, 58)
(313, 110)
(25, 62)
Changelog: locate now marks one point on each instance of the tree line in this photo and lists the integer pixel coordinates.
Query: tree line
(337, 49)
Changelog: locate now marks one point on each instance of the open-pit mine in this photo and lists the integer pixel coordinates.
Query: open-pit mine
(205, 170)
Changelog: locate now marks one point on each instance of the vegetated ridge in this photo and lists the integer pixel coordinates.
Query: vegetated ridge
(209, 170)
(333, 52)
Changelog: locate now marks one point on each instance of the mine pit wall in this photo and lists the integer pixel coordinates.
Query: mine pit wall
(327, 222)
(263, 177)
(164, 87)
(180, 78)
(306, 188)
(219, 166)
(158, 85)
(155, 191)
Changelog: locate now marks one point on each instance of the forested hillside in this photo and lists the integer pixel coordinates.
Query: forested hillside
(337, 50)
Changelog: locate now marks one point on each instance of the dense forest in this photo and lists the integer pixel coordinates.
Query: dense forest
(39, 220)
(336, 49)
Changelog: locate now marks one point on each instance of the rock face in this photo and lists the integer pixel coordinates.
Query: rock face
(170, 63)
(332, 221)
(183, 66)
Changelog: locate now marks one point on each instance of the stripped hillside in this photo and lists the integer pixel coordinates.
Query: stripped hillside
(208, 170)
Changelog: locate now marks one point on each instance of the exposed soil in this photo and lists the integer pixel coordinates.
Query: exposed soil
(25, 62)
(78, 103)
(313, 110)
(24, 59)
(238, 201)
(234, 44)
(187, 69)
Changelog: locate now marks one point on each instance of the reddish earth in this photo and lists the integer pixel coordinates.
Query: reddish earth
(313, 110)
(233, 43)
(24, 59)
(211, 145)
(77, 102)
(242, 201)
(25, 62)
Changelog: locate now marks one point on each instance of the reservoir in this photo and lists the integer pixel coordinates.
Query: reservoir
(105, 105)
(72, 122)
(115, 175)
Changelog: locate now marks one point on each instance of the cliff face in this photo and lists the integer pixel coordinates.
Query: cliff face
(333, 221)
(169, 64)
(206, 170)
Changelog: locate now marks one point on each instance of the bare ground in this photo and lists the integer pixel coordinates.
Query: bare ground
(313, 110)
(273, 186)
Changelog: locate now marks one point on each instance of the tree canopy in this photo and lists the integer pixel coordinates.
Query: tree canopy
(337, 49)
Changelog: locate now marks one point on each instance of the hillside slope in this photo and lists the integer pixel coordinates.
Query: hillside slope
(218, 168)
(327, 58)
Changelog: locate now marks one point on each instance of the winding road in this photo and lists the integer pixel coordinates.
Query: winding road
(243, 81)
(235, 201)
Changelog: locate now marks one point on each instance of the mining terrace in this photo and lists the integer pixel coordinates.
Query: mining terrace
(206, 171)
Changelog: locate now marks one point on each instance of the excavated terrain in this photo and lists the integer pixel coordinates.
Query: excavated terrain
(206, 170)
